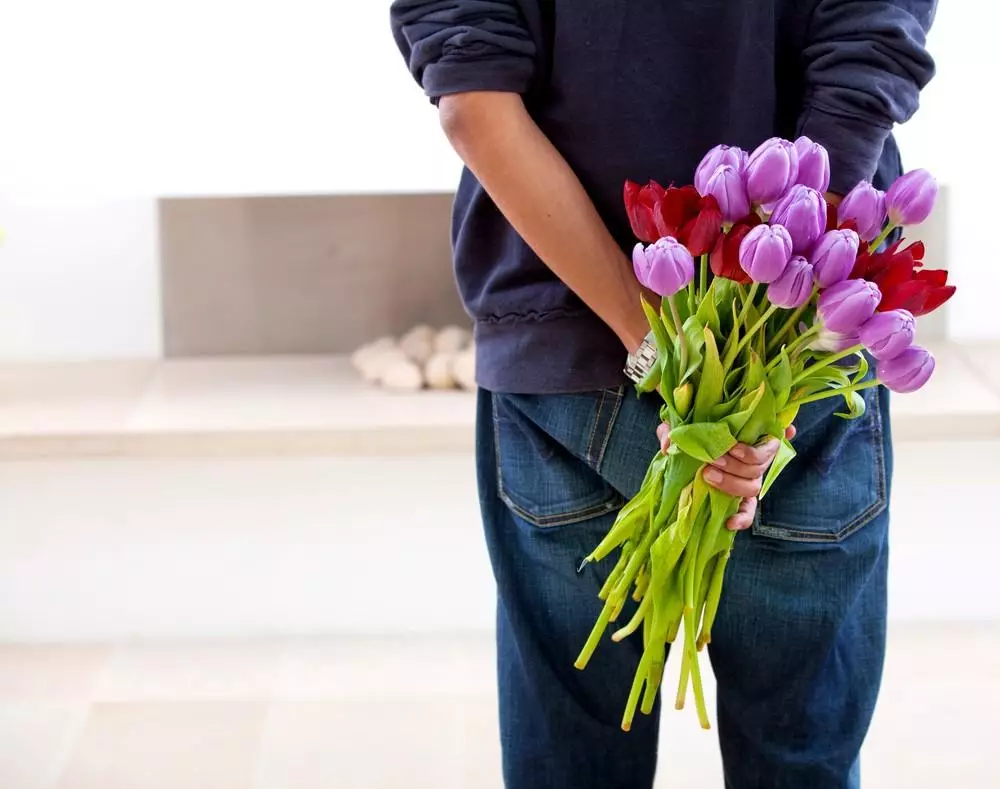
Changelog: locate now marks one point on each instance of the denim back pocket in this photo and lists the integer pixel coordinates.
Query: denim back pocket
(548, 455)
(838, 481)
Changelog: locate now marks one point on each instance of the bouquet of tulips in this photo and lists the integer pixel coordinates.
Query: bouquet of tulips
(771, 298)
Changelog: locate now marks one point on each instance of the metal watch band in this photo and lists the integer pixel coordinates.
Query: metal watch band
(641, 362)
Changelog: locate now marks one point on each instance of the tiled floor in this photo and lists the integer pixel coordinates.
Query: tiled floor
(408, 713)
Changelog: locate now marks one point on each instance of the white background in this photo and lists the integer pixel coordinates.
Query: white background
(108, 103)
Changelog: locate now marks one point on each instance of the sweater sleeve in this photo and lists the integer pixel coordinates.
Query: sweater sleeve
(456, 46)
(865, 64)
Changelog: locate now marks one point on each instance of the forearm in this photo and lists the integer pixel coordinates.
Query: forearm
(535, 189)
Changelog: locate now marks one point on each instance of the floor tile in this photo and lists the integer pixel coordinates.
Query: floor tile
(361, 744)
(167, 745)
(227, 670)
(50, 672)
(35, 739)
(376, 667)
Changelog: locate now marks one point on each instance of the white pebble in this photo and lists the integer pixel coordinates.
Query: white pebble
(452, 339)
(402, 375)
(463, 367)
(375, 362)
(438, 372)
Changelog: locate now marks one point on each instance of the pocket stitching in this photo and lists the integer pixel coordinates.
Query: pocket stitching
(564, 518)
(788, 532)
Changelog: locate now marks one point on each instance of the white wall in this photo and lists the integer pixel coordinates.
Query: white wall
(137, 98)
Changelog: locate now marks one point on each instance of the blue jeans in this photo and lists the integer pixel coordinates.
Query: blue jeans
(798, 645)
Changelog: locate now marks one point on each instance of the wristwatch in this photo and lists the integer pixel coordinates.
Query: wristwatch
(639, 364)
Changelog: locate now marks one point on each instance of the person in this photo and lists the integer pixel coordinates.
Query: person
(552, 107)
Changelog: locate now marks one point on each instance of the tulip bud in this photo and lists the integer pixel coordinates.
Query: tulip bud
(795, 285)
(664, 267)
(814, 164)
(834, 256)
(714, 159)
(726, 186)
(834, 342)
(803, 212)
(864, 205)
(908, 371)
(765, 252)
(845, 306)
(771, 170)
(888, 334)
(910, 199)
(682, 399)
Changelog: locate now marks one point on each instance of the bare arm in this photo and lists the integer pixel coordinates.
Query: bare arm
(545, 202)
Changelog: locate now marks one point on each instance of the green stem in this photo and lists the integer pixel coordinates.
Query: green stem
(790, 323)
(826, 363)
(834, 393)
(751, 295)
(703, 276)
(681, 339)
(756, 327)
(699, 693)
(799, 341)
(882, 237)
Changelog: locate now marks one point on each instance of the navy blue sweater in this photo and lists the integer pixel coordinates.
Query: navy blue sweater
(642, 89)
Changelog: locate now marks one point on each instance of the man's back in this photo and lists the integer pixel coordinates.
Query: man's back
(641, 89)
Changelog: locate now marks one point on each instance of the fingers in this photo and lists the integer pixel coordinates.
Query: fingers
(663, 433)
(791, 432)
(735, 486)
(737, 468)
(743, 519)
(756, 456)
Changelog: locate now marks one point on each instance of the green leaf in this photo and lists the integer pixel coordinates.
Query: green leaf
(786, 452)
(746, 406)
(651, 380)
(755, 374)
(733, 380)
(761, 419)
(721, 411)
(827, 376)
(704, 441)
(663, 344)
(694, 336)
(710, 386)
(856, 405)
(732, 338)
(780, 380)
(708, 312)
(862, 371)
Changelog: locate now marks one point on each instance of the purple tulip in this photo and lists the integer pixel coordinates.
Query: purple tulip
(795, 285)
(726, 186)
(865, 206)
(910, 200)
(845, 306)
(888, 334)
(664, 267)
(714, 159)
(833, 256)
(765, 252)
(771, 170)
(803, 212)
(814, 164)
(908, 371)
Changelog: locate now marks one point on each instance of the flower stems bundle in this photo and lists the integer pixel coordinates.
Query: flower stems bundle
(771, 299)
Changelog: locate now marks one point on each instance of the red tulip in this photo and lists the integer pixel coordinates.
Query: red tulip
(725, 259)
(904, 283)
(655, 213)
(640, 202)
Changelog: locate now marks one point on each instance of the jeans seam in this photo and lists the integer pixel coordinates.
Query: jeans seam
(617, 395)
(593, 427)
